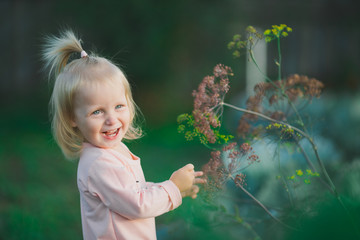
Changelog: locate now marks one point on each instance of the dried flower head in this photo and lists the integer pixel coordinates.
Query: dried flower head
(240, 179)
(214, 172)
(208, 98)
(228, 164)
(293, 88)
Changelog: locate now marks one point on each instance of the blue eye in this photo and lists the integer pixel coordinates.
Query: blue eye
(97, 112)
(119, 106)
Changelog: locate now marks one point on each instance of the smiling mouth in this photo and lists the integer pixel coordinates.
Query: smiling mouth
(111, 134)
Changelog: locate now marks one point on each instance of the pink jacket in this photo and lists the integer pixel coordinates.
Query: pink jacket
(116, 201)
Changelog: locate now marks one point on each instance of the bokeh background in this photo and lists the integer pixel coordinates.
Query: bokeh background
(165, 48)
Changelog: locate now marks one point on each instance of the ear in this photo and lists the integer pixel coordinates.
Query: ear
(73, 123)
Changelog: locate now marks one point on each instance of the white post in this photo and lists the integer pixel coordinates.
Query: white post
(253, 76)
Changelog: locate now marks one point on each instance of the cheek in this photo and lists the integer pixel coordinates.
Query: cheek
(128, 115)
(128, 118)
(89, 126)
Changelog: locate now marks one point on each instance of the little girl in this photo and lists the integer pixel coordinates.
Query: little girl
(92, 112)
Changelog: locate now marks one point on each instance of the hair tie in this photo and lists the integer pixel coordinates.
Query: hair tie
(83, 54)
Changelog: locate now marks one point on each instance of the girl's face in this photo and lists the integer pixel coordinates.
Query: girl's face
(102, 115)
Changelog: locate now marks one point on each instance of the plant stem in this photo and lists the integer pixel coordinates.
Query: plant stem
(263, 206)
(209, 147)
(277, 154)
(312, 166)
(251, 53)
(265, 117)
(279, 63)
(320, 162)
(238, 219)
(296, 112)
(323, 169)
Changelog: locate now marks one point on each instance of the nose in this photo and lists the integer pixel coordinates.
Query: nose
(110, 119)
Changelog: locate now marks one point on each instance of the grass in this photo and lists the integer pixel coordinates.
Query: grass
(39, 197)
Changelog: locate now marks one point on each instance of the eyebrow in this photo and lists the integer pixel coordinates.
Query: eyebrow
(92, 108)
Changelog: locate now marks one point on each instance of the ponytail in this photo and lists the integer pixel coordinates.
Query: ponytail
(57, 51)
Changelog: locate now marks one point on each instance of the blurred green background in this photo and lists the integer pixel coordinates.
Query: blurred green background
(165, 48)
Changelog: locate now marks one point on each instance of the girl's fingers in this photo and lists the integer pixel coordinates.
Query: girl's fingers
(199, 181)
(189, 167)
(195, 189)
(198, 174)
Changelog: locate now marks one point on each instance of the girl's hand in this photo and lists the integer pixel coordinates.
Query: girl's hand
(184, 177)
(192, 192)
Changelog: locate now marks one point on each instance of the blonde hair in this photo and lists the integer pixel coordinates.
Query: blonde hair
(70, 76)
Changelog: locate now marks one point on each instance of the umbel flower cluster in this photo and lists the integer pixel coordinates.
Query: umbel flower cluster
(207, 101)
(277, 32)
(290, 89)
(204, 122)
(228, 164)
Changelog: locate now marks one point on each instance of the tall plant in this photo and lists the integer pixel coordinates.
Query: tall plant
(272, 112)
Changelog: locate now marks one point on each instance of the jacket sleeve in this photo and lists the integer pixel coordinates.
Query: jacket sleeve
(118, 190)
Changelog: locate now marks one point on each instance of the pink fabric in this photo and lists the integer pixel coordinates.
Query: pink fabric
(116, 201)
